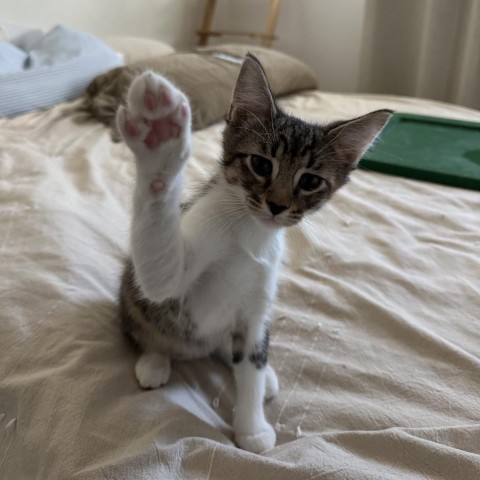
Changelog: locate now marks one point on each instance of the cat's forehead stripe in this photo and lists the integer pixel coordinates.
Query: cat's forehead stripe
(309, 143)
(293, 138)
(284, 142)
(274, 148)
(315, 160)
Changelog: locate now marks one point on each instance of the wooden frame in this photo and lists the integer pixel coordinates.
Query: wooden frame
(266, 38)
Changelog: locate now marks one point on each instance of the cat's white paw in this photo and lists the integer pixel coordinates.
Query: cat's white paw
(271, 383)
(259, 440)
(155, 124)
(152, 370)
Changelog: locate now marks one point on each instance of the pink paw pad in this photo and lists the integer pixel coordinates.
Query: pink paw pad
(131, 129)
(152, 140)
(150, 101)
(162, 128)
(156, 186)
(165, 98)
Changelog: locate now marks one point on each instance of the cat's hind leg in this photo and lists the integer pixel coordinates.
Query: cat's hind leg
(152, 370)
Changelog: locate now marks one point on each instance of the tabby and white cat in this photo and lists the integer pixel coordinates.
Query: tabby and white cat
(202, 275)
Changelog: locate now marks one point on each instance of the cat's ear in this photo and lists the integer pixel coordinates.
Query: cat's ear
(351, 139)
(252, 97)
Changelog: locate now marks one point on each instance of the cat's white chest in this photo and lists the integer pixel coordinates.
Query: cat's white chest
(237, 284)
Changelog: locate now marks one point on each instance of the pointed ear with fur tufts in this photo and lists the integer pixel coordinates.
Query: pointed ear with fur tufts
(351, 139)
(252, 97)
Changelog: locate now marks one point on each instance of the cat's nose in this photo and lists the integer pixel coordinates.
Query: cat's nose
(276, 209)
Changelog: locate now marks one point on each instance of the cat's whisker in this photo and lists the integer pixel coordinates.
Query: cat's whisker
(259, 121)
(302, 229)
(337, 213)
(274, 133)
(388, 154)
(220, 216)
(230, 213)
(226, 226)
(342, 151)
(338, 135)
(295, 234)
(311, 229)
(250, 130)
(328, 245)
(216, 219)
(239, 221)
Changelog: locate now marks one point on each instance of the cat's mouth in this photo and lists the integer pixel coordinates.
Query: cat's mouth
(278, 222)
(270, 221)
(267, 219)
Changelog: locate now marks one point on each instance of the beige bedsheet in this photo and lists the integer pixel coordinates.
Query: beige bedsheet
(376, 336)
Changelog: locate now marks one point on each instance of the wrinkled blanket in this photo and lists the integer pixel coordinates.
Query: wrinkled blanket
(375, 333)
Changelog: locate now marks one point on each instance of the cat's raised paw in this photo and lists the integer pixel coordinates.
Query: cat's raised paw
(156, 121)
(152, 370)
(260, 440)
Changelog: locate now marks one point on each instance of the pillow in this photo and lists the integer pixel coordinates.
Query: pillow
(285, 73)
(22, 37)
(27, 40)
(62, 44)
(135, 49)
(207, 78)
(12, 59)
(62, 64)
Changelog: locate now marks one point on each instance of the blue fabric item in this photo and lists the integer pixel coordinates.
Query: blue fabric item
(26, 40)
(12, 59)
(62, 44)
(60, 67)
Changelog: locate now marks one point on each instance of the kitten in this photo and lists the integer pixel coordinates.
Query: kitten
(202, 276)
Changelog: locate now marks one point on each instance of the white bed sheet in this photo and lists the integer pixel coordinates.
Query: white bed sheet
(375, 338)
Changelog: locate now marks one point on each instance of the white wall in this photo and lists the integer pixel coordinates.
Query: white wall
(326, 34)
(173, 21)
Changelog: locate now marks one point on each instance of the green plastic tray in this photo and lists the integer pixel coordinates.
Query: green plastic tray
(434, 149)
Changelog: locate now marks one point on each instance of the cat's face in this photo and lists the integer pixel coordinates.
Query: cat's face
(285, 171)
(285, 166)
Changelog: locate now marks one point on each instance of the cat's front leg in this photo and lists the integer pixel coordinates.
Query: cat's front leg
(225, 354)
(155, 125)
(252, 430)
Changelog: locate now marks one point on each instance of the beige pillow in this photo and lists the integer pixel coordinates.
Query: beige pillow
(207, 78)
(135, 49)
(285, 73)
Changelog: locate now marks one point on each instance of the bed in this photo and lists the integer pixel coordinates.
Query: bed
(375, 332)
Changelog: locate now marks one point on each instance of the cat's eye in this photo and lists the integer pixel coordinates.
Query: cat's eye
(261, 166)
(310, 182)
